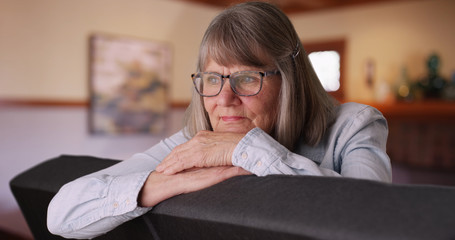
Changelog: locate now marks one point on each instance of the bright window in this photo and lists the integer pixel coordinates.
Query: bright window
(327, 67)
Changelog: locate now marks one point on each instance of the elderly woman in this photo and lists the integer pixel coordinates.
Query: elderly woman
(257, 108)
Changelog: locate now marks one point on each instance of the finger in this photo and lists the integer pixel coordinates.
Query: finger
(206, 149)
(242, 171)
(162, 166)
(175, 164)
(236, 171)
(183, 159)
(191, 169)
(174, 157)
(175, 167)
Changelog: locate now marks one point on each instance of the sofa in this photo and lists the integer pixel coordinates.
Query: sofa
(251, 207)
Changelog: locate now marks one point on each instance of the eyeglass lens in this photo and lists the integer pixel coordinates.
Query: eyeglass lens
(243, 83)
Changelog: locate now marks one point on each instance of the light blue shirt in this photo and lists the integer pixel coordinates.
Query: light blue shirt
(354, 146)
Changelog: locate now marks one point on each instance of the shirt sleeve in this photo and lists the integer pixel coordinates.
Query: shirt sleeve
(361, 148)
(355, 148)
(262, 155)
(97, 203)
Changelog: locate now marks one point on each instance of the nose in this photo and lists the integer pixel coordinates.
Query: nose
(227, 96)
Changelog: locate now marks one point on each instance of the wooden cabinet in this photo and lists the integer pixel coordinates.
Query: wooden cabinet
(421, 134)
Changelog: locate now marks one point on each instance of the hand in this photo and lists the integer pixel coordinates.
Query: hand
(206, 149)
(159, 187)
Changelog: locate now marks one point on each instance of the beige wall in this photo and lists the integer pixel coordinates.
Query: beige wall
(44, 44)
(44, 47)
(393, 35)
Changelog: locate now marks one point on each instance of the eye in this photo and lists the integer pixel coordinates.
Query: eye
(212, 80)
(247, 79)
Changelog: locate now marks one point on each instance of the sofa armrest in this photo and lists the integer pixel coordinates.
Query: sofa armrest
(250, 207)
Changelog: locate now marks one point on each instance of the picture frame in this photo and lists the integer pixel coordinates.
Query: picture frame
(128, 85)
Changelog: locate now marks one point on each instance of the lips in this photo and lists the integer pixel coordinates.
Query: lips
(231, 118)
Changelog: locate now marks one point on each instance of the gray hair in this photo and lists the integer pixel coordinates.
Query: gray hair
(252, 34)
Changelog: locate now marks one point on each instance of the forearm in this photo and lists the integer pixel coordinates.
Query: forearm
(158, 188)
(91, 206)
(98, 202)
(262, 155)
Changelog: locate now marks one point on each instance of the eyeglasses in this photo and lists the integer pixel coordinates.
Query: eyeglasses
(244, 83)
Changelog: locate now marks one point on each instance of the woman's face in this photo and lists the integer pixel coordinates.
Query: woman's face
(229, 112)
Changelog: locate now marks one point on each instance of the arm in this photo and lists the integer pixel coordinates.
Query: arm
(205, 149)
(362, 153)
(96, 203)
(262, 155)
(186, 181)
(354, 147)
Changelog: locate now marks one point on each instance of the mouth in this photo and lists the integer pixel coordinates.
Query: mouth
(231, 118)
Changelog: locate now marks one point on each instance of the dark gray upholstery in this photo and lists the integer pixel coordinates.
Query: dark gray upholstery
(250, 207)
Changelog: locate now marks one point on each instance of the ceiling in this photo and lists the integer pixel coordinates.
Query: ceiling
(297, 6)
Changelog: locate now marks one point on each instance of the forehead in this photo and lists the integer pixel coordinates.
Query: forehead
(213, 66)
(230, 55)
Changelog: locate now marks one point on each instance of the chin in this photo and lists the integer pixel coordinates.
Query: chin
(234, 129)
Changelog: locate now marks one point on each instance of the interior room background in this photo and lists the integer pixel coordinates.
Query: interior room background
(44, 59)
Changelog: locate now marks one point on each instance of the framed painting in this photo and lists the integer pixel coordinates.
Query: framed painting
(128, 85)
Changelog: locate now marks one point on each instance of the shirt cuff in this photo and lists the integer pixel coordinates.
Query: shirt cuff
(257, 151)
(123, 194)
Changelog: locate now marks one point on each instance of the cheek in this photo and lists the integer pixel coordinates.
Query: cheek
(265, 110)
(269, 104)
(209, 106)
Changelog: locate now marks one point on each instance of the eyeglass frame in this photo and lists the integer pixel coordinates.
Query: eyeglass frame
(223, 77)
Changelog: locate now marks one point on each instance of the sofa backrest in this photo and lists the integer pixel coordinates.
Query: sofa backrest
(250, 207)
